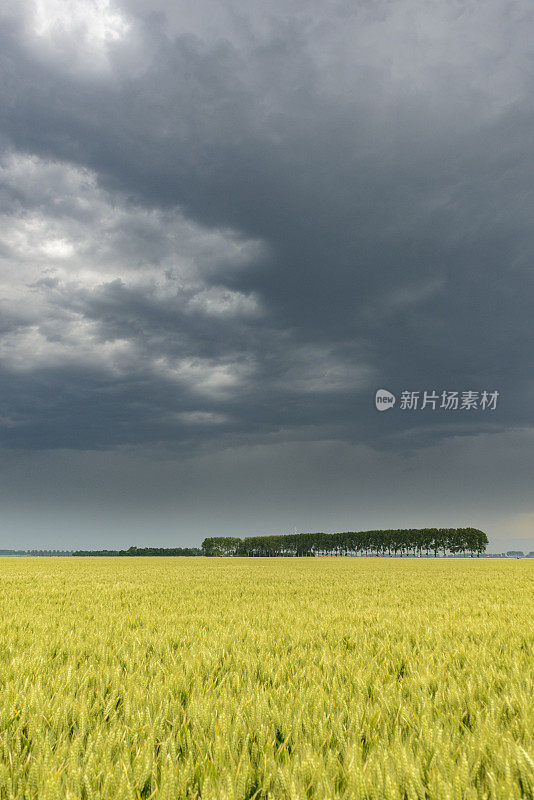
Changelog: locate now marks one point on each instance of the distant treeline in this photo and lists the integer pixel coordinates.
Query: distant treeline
(35, 552)
(143, 551)
(389, 542)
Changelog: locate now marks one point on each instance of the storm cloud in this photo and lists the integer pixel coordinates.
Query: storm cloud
(224, 225)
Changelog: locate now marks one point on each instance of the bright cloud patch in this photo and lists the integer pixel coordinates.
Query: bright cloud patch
(219, 302)
(87, 279)
(34, 347)
(79, 30)
(206, 377)
(201, 418)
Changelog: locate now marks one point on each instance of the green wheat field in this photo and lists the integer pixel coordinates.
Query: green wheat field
(166, 678)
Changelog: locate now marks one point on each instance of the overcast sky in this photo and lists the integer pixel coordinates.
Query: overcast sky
(224, 224)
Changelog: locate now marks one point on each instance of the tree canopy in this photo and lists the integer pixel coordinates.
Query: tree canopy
(403, 541)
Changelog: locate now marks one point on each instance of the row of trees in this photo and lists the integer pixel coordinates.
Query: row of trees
(35, 553)
(407, 541)
(143, 551)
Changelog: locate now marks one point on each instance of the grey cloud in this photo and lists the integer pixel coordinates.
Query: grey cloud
(246, 218)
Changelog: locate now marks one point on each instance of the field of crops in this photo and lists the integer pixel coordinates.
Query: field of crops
(266, 678)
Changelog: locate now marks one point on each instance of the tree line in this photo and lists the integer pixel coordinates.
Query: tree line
(401, 542)
(143, 551)
(35, 552)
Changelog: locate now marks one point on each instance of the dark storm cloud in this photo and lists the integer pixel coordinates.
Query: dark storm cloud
(383, 189)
